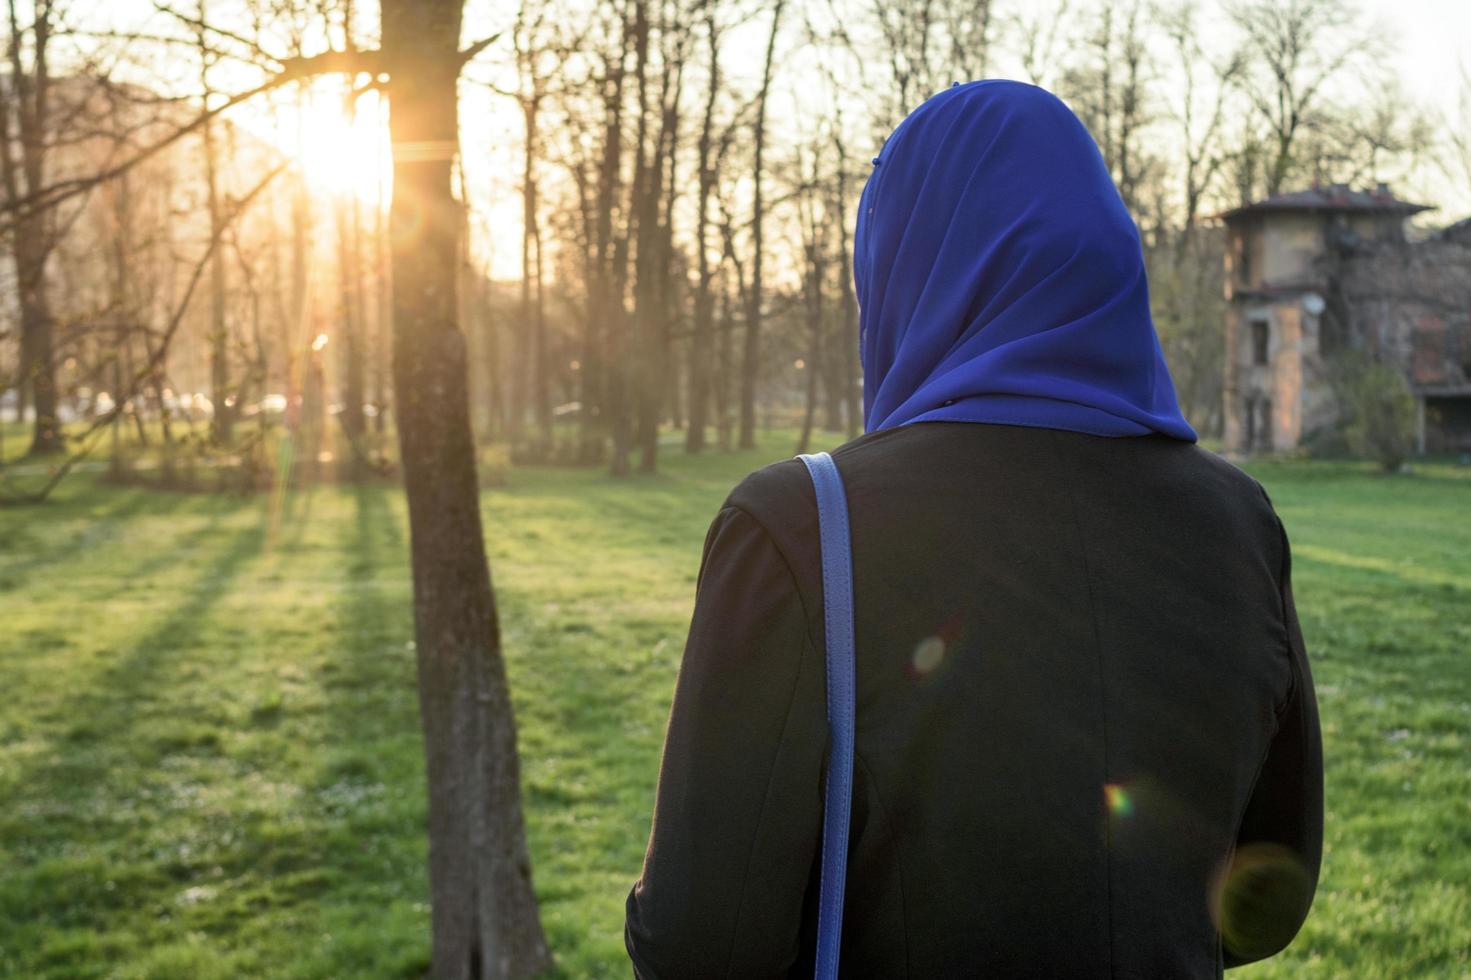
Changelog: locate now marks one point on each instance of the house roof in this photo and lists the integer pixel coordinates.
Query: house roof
(1331, 197)
(1458, 232)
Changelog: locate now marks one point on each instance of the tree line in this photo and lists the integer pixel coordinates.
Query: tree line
(686, 172)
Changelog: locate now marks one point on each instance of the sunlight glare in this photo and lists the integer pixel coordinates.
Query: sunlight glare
(343, 155)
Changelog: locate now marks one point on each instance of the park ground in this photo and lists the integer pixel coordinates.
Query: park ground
(209, 748)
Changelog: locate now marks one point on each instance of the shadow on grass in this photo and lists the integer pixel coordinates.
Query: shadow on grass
(374, 621)
(120, 697)
(159, 559)
(79, 809)
(370, 783)
(96, 529)
(367, 678)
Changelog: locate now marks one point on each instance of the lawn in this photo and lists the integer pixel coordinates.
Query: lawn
(209, 749)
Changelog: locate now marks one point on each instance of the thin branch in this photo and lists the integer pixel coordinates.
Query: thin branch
(473, 50)
(292, 69)
(155, 358)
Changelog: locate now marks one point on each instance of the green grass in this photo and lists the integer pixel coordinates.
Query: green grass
(209, 750)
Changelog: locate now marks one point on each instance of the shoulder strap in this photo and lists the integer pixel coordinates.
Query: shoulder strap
(837, 605)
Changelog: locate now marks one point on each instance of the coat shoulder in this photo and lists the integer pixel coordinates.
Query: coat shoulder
(1235, 485)
(780, 494)
(775, 494)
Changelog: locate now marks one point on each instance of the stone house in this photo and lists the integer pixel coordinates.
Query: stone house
(1310, 274)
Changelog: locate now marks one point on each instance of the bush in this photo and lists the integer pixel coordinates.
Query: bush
(1379, 420)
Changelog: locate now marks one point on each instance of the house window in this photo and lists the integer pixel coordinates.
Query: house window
(1261, 341)
(1258, 424)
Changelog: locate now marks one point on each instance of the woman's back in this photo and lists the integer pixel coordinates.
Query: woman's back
(1086, 742)
(1080, 686)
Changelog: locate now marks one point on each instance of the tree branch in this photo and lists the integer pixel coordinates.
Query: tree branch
(120, 399)
(293, 69)
(469, 54)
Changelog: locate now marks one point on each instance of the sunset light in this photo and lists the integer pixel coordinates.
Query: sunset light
(340, 153)
(628, 488)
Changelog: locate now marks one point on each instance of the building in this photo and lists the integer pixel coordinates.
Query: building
(1314, 273)
(1437, 284)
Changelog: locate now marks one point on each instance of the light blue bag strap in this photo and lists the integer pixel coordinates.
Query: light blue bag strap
(837, 606)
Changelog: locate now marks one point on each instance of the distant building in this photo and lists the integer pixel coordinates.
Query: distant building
(1312, 273)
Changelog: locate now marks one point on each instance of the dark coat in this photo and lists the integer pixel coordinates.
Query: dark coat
(1082, 690)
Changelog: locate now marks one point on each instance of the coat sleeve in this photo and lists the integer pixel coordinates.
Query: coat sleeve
(738, 809)
(1274, 873)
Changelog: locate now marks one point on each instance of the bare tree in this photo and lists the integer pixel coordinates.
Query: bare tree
(653, 211)
(1382, 140)
(968, 26)
(601, 375)
(1040, 38)
(922, 47)
(221, 392)
(156, 349)
(852, 394)
(26, 117)
(1454, 155)
(1294, 48)
(733, 298)
(1108, 89)
(751, 362)
(812, 225)
(540, 56)
(485, 918)
(1198, 108)
(351, 300)
(842, 367)
(702, 346)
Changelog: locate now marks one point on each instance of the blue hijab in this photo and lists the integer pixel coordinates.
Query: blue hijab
(1000, 277)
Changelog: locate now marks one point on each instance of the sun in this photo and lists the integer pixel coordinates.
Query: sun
(341, 153)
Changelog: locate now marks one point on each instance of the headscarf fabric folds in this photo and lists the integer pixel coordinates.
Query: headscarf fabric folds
(1001, 278)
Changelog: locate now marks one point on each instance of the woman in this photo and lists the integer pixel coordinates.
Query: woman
(1087, 742)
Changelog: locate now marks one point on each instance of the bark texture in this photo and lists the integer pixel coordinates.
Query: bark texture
(485, 918)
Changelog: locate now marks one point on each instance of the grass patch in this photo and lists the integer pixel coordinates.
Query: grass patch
(209, 746)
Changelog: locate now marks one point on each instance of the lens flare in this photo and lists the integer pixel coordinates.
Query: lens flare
(1259, 899)
(928, 654)
(1117, 799)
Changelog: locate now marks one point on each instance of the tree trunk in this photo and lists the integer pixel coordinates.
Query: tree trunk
(485, 918)
(350, 279)
(122, 310)
(383, 322)
(648, 181)
(624, 347)
(38, 365)
(23, 146)
(598, 330)
(849, 323)
(814, 327)
(724, 371)
(491, 371)
(541, 353)
(523, 336)
(221, 394)
(834, 364)
(354, 319)
(751, 364)
(700, 343)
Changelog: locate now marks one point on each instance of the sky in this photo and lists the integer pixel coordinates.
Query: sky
(1433, 35)
(1432, 46)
